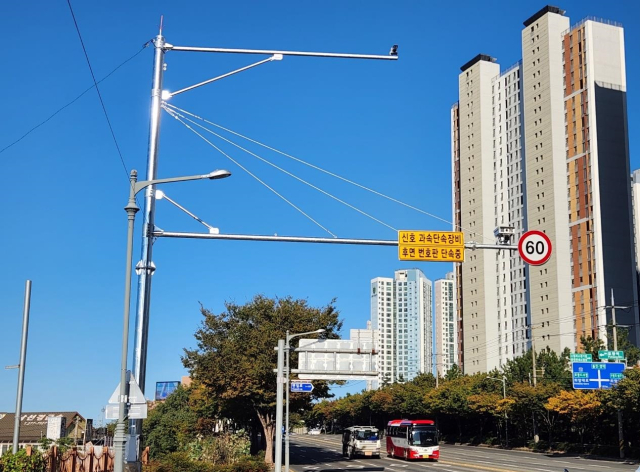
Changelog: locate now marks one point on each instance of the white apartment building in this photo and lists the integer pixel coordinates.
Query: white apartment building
(446, 351)
(525, 151)
(402, 313)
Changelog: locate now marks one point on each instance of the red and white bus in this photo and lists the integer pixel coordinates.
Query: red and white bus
(413, 439)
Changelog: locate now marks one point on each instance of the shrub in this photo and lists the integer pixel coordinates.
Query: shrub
(246, 464)
(226, 448)
(21, 462)
(178, 462)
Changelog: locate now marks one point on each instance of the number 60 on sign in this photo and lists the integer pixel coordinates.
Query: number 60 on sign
(534, 247)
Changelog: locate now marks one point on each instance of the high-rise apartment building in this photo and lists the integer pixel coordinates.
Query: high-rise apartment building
(402, 313)
(635, 200)
(544, 145)
(446, 347)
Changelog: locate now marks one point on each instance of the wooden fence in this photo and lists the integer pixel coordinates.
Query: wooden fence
(93, 459)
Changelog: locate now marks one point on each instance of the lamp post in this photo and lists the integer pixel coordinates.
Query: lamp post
(504, 396)
(287, 349)
(131, 209)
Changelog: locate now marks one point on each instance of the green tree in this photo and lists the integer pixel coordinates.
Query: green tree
(21, 462)
(453, 373)
(631, 352)
(171, 424)
(235, 357)
(592, 346)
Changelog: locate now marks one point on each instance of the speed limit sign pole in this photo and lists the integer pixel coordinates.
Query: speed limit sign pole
(534, 247)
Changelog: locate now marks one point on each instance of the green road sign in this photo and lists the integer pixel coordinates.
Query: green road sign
(581, 357)
(611, 355)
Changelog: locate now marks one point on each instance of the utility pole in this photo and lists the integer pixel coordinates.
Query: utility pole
(615, 348)
(23, 361)
(536, 438)
(533, 356)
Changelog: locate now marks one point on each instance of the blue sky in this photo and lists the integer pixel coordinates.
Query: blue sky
(382, 124)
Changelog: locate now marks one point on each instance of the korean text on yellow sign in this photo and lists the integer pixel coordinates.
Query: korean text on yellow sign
(439, 246)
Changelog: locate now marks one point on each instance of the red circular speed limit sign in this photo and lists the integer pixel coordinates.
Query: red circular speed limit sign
(534, 247)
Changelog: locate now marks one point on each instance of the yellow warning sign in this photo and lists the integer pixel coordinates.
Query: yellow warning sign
(437, 246)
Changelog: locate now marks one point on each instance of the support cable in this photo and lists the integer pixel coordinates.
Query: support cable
(251, 174)
(283, 170)
(363, 187)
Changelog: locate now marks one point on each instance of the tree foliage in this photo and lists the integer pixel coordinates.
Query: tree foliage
(235, 357)
(472, 408)
(171, 424)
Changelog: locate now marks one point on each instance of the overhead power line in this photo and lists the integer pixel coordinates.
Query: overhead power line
(95, 83)
(144, 46)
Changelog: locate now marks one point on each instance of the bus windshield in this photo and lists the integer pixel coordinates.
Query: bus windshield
(367, 435)
(424, 436)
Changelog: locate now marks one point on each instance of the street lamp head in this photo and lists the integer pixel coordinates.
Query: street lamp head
(218, 174)
(321, 330)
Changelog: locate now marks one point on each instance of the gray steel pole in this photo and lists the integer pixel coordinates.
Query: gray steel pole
(146, 265)
(23, 360)
(288, 387)
(280, 380)
(119, 436)
(506, 418)
(615, 348)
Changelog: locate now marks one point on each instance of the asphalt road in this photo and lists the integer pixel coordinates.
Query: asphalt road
(322, 453)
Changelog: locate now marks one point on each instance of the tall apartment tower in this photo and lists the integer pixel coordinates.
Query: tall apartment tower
(446, 348)
(597, 156)
(544, 145)
(402, 312)
(635, 199)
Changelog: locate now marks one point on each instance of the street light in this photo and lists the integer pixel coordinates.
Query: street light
(131, 209)
(287, 349)
(504, 396)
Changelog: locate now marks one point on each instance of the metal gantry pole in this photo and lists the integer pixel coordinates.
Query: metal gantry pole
(145, 266)
(22, 365)
(280, 381)
(119, 436)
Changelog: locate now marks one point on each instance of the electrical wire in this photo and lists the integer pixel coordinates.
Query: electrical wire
(95, 83)
(74, 100)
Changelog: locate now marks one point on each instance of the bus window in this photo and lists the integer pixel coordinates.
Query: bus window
(424, 436)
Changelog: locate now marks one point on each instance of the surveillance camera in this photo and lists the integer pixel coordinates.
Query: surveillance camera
(394, 50)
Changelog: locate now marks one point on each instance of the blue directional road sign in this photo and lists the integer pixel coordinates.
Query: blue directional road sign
(596, 375)
(301, 387)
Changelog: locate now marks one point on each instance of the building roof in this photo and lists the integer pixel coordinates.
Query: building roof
(542, 12)
(478, 58)
(33, 426)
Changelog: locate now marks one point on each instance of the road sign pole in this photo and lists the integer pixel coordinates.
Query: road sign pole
(280, 374)
(286, 429)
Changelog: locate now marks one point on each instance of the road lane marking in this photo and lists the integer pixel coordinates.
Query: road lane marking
(473, 466)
